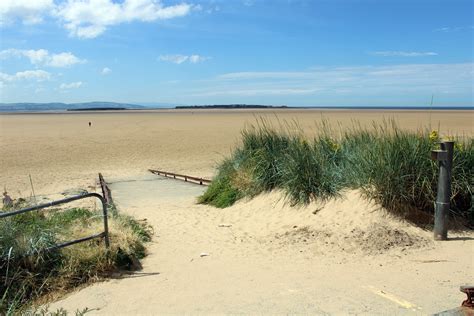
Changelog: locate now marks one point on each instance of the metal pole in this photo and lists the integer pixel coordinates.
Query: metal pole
(444, 192)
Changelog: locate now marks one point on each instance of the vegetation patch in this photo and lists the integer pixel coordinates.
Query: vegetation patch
(28, 272)
(389, 165)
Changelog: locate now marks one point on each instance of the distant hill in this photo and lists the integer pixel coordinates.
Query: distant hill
(14, 107)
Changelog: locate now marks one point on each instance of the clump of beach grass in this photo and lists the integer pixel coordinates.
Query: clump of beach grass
(389, 165)
(29, 273)
(272, 158)
(393, 167)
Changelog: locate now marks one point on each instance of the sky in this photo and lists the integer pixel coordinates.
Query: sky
(278, 52)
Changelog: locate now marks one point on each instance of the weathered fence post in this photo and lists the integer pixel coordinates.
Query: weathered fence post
(106, 222)
(445, 158)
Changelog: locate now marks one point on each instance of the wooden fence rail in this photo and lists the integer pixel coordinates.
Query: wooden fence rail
(178, 176)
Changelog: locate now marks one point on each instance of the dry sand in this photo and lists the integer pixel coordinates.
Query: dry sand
(264, 257)
(60, 150)
(349, 257)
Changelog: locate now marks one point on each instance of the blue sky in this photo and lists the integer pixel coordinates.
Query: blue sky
(291, 52)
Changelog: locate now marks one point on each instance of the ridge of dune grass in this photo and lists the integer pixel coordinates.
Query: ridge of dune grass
(28, 273)
(389, 165)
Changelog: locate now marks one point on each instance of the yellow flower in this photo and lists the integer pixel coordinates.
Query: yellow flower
(434, 136)
(335, 146)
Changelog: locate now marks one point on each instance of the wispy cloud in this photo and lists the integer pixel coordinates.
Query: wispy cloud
(447, 29)
(403, 53)
(353, 81)
(256, 92)
(105, 71)
(42, 57)
(179, 59)
(266, 75)
(72, 85)
(38, 75)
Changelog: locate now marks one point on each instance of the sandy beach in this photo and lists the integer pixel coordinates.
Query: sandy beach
(260, 255)
(60, 150)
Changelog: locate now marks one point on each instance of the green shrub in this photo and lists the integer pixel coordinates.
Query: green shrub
(389, 165)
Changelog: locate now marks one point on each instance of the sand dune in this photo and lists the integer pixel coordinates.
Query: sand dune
(263, 256)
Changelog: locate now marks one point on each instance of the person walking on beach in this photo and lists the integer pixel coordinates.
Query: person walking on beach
(7, 200)
(90, 124)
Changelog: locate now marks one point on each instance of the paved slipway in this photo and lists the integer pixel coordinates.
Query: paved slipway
(265, 257)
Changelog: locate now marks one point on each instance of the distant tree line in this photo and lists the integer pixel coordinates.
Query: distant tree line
(229, 106)
(97, 109)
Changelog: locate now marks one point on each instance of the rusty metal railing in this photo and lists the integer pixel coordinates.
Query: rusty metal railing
(104, 234)
(106, 192)
(186, 178)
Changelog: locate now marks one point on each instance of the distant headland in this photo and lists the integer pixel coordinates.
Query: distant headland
(57, 106)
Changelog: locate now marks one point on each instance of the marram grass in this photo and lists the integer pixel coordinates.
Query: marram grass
(389, 165)
(28, 273)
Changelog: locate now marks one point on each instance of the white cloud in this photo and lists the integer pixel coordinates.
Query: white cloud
(91, 18)
(72, 85)
(42, 57)
(194, 59)
(36, 56)
(179, 59)
(404, 54)
(63, 60)
(106, 71)
(38, 75)
(28, 11)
